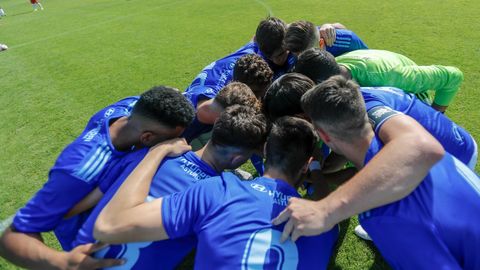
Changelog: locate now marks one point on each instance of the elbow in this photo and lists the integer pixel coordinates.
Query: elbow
(104, 231)
(431, 150)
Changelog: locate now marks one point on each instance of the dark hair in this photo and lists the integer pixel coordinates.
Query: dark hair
(252, 70)
(337, 106)
(301, 35)
(283, 96)
(237, 93)
(317, 64)
(240, 126)
(290, 144)
(270, 35)
(166, 105)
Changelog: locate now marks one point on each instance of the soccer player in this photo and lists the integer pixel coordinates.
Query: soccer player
(2, 12)
(284, 95)
(36, 4)
(237, 133)
(231, 218)
(334, 38)
(209, 107)
(157, 115)
(431, 196)
(384, 68)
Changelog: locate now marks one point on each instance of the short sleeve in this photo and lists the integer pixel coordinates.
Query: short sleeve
(184, 213)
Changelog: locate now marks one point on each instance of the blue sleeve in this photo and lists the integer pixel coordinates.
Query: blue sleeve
(346, 41)
(49, 205)
(184, 213)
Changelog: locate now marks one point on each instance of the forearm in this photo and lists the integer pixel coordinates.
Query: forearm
(380, 183)
(134, 190)
(29, 251)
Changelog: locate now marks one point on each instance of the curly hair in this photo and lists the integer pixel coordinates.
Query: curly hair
(165, 105)
(252, 70)
(240, 126)
(237, 93)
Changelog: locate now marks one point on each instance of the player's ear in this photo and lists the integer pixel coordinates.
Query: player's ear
(146, 138)
(321, 44)
(323, 135)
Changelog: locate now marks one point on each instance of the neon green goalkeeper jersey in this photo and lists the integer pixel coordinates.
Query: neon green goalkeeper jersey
(384, 68)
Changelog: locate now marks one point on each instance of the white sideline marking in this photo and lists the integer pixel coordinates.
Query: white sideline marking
(89, 26)
(267, 7)
(5, 223)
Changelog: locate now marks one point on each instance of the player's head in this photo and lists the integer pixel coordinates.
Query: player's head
(337, 110)
(236, 93)
(270, 36)
(161, 113)
(317, 64)
(289, 146)
(252, 70)
(284, 95)
(237, 134)
(300, 36)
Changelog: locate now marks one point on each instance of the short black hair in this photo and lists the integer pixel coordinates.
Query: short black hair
(254, 71)
(283, 96)
(270, 35)
(337, 106)
(165, 105)
(317, 64)
(290, 144)
(301, 35)
(240, 126)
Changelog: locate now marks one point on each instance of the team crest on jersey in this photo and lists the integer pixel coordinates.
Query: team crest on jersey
(259, 187)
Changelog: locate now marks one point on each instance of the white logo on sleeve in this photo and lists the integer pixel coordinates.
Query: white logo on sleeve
(259, 187)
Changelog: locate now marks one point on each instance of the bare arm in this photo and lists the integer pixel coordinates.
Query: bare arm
(375, 185)
(86, 203)
(127, 217)
(29, 251)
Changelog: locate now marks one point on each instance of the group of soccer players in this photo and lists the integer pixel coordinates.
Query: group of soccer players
(299, 101)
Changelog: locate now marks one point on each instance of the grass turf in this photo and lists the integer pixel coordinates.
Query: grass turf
(75, 57)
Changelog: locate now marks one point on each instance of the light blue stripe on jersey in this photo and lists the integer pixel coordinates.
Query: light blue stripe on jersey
(343, 38)
(95, 163)
(344, 42)
(468, 175)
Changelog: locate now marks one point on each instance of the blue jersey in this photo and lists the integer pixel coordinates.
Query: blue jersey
(380, 101)
(173, 175)
(345, 41)
(77, 171)
(232, 220)
(435, 226)
(215, 76)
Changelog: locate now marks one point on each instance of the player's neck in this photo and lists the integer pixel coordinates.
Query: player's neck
(207, 155)
(356, 150)
(345, 72)
(122, 135)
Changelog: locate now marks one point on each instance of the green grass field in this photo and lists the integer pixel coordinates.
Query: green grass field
(75, 57)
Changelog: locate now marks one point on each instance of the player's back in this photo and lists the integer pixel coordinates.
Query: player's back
(440, 217)
(234, 229)
(345, 41)
(78, 168)
(173, 175)
(373, 67)
(456, 140)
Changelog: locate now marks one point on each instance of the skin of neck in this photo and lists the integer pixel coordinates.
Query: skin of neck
(354, 150)
(122, 134)
(345, 72)
(211, 157)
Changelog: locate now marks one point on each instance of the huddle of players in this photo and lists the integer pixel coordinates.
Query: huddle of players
(128, 179)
